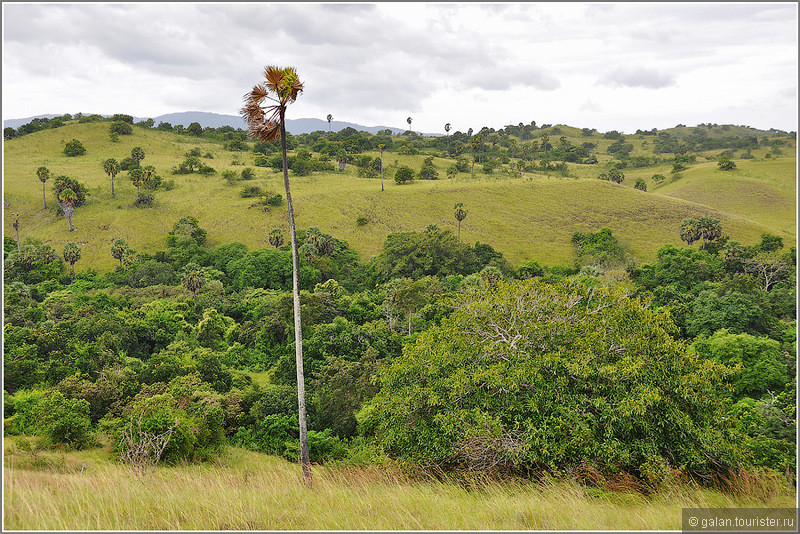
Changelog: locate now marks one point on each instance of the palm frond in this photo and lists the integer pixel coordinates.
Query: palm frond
(265, 131)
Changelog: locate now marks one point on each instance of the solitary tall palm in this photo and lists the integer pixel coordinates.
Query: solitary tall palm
(447, 133)
(43, 173)
(282, 86)
(460, 214)
(330, 118)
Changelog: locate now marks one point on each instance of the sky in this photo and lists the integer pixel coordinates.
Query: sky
(609, 66)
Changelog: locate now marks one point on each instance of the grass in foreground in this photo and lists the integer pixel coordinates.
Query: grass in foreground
(250, 491)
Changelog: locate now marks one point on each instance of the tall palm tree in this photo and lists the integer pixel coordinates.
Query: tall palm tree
(111, 168)
(381, 147)
(447, 133)
(408, 120)
(282, 87)
(330, 118)
(43, 173)
(16, 227)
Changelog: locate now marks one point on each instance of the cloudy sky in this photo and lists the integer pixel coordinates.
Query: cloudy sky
(622, 66)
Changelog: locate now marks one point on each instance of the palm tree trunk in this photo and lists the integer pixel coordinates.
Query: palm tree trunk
(112, 186)
(305, 461)
(44, 198)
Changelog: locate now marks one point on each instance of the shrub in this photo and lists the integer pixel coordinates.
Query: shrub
(251, 191)
(63, 420)
(121, 128)
(74, 148)
(403, 174)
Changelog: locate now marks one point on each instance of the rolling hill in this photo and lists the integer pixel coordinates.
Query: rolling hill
(527, 218)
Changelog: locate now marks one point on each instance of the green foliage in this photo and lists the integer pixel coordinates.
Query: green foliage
(599, 249)
(725, 163)
(531, 375)
(193, 410)
(186, 229)
(404, 174)
(62, 183)
(121, 128)
(63, 420)
(757, 361)
(74, 148)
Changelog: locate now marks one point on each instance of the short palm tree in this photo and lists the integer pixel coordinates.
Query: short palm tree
(67, 202)
(111, 168)
(43, 173)
(193, 279)
(72, 253)
(281, 87)
(276, 238)
(689, 231)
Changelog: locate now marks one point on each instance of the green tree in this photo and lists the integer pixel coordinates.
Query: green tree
(725, 163)
(74, 148)
(282, 86)
(403, 174)
(460, 215)
(44, 174)
(111, 168)
(276, 238)
(193, 279)
(690, 231)
(756, 361)
(137, 155)
(118, 249)
(533, 375)
(195, 129)
(72, 253)
(640, 184)
(708, 229)
(121, 128)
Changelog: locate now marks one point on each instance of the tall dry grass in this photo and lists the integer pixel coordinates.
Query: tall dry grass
(250, 491)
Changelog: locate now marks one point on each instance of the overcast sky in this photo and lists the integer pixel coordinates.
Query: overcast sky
(610, 66)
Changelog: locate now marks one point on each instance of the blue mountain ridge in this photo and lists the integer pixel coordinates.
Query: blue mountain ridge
(217, 120)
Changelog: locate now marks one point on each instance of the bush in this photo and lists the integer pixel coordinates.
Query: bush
(403, 174)
(251, 191)
(121, 128)
(63, 420)
(74, 148)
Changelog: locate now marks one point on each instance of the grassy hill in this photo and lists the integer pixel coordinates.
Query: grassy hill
(532, 217)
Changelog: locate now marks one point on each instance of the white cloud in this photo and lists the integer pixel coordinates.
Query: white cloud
(378, 63)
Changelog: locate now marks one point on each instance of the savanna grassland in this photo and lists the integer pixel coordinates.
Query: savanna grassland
(245, 490)
(547, 328)
(531, 217)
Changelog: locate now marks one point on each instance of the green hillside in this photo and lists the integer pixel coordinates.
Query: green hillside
(527, 217)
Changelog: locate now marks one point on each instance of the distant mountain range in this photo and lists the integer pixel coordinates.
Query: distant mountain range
(216, 120)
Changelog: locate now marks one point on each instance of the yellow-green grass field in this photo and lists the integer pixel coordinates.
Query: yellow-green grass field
(245, 490)
(527, 218)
